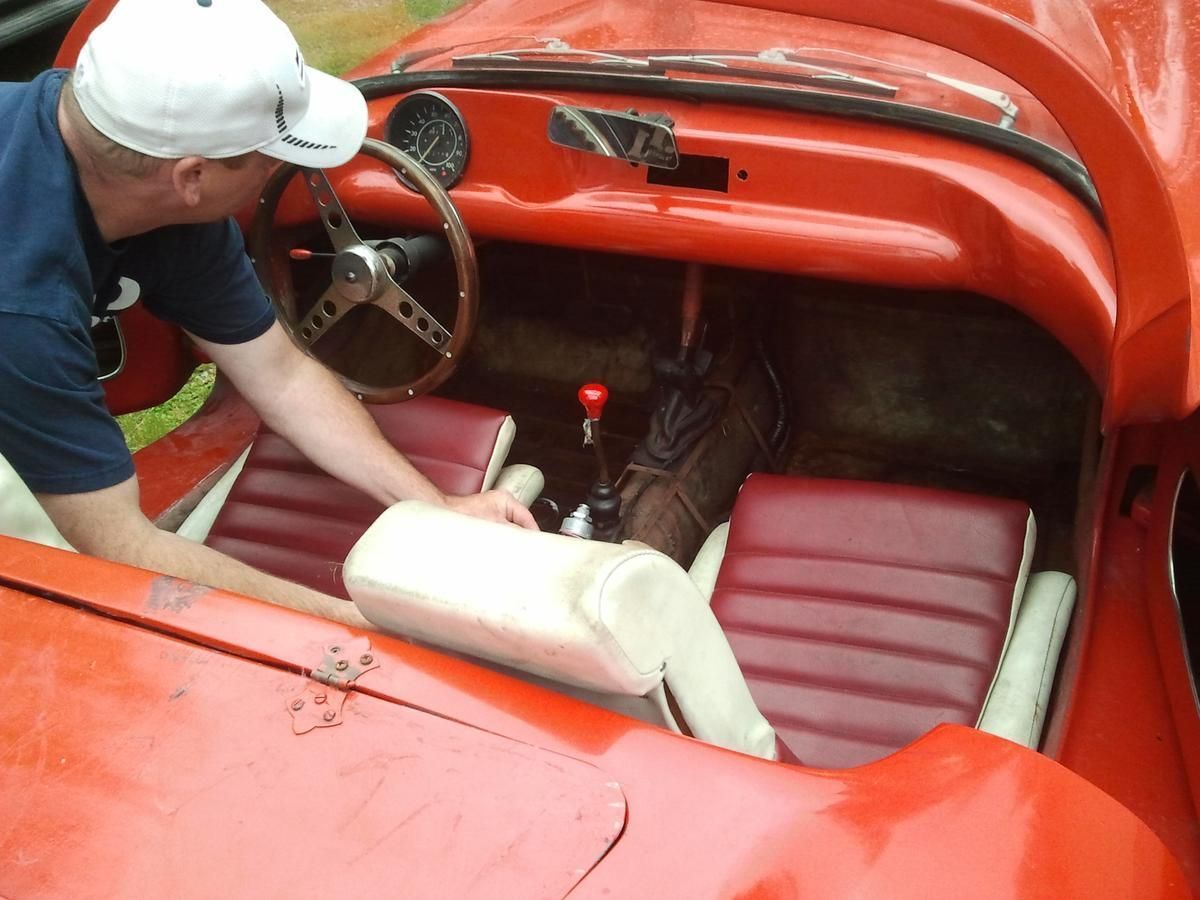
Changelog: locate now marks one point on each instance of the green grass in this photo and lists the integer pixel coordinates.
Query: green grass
(427, 10)
(147, 426)
(335, 35)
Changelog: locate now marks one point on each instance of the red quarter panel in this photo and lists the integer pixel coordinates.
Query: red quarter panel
(287, 517)
(864, 614)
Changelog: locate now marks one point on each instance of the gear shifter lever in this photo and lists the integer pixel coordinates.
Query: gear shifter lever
(602, 498)
(593, 397)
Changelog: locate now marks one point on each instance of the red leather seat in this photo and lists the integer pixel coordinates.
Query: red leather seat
(287, 517)
(864, 614)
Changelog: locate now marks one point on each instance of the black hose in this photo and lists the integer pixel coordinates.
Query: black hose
(780, 429)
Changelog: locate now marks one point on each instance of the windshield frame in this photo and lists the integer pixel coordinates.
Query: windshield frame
(1068, 172)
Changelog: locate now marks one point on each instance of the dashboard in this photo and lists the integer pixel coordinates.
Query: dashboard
(756, 188)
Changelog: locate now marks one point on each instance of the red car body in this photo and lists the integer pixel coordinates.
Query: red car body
(147, 745)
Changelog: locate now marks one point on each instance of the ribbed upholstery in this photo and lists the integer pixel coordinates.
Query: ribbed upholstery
(864, 614)
(287, 517)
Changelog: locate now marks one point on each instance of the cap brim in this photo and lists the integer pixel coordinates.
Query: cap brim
(332, 130)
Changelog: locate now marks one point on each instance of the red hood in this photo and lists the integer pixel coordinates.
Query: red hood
(151, 749)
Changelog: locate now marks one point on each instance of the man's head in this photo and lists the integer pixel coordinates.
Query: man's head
(191, 189)
(213, 78)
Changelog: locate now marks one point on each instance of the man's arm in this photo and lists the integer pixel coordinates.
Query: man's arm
(301, 400)
(109, 523)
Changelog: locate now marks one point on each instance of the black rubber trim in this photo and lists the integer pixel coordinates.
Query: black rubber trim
(20, 19)
(1068, 172)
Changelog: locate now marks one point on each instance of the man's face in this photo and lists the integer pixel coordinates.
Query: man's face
(227, 190)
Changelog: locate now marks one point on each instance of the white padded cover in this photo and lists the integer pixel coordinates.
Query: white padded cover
(504, 440)
(200, 520)
(1017, 600)
(21, 516)
(1016, 707)
(610, 618)
(707, 563)
(522, 481)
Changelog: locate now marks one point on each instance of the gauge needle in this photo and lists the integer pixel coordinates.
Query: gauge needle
(436, 140)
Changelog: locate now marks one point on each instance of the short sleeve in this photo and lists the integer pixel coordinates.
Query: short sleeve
(54, 427)
(203, 282)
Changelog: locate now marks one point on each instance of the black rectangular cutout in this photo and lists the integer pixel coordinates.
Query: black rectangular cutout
(706, 173)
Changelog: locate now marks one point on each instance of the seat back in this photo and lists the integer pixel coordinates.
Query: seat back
(869, 613)
(21, 516)
(287, 517)
(620, 621)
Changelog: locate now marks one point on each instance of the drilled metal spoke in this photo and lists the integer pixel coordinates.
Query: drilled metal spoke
(333, 217)
(400, 305)
(314, 324)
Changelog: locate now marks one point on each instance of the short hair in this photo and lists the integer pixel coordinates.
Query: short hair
(117, 159)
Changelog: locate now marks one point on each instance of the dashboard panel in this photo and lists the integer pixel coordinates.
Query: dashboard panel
(771, 190)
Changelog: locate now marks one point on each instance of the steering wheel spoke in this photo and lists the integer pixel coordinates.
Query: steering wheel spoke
(400, 305)
(333, 217)
(321, 316)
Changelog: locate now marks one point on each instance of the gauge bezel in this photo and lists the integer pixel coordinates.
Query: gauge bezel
(452, 113)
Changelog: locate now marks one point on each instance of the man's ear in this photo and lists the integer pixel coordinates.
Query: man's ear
(187, 177)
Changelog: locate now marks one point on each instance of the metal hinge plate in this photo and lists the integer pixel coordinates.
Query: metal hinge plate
(320, 704)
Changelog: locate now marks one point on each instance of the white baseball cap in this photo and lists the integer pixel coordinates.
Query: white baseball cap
(213, 78)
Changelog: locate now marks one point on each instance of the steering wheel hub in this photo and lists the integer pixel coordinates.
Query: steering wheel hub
(359, 274)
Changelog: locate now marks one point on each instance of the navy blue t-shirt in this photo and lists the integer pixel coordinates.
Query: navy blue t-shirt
(56, 272)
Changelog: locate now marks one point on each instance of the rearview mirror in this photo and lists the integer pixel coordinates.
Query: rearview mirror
(648, 139)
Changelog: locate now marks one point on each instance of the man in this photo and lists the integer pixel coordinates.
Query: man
(128, 168)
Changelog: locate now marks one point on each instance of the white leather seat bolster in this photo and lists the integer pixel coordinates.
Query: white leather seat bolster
(1019, 587)
(21, 516)
(610, 618)
(504, 440)
(522, 481)
(1016, 707)
(200, 520)
(708, 561)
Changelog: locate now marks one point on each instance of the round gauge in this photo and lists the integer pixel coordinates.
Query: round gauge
(429, 128)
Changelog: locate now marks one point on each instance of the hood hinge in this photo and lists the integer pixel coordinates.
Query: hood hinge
(320, 704)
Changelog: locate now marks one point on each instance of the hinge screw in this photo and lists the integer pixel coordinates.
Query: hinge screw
(366, 659)
(329, 716)
(335, 649)
(297, 704)
(342, 665)
(320, 698)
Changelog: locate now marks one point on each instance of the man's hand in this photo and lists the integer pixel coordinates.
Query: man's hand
(495, 506)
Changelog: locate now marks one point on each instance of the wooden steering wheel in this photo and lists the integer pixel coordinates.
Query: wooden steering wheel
(363, 273)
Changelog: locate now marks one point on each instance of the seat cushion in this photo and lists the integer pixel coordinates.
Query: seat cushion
(289, 518)
(865, 614)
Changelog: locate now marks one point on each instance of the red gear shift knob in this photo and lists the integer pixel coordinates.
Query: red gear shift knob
(593, 397)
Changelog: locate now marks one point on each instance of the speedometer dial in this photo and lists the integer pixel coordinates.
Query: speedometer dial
(429, 128)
